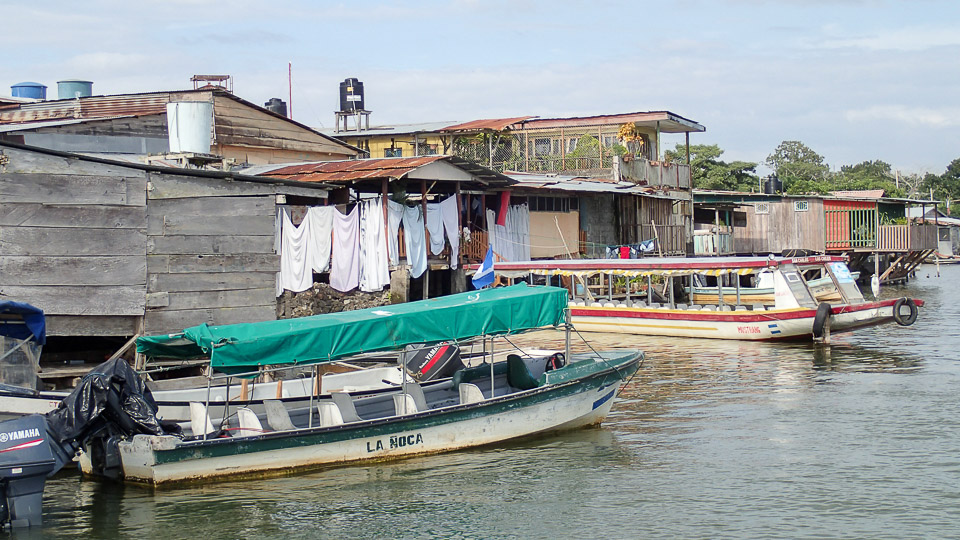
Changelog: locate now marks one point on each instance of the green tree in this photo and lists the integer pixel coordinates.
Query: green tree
(868, 175)
(945, 186)
(799, 168)
(709, 172)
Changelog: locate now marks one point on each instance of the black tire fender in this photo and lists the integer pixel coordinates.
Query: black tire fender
(820, 320)
(911, 317)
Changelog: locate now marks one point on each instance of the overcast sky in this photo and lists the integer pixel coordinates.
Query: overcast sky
(855, 80)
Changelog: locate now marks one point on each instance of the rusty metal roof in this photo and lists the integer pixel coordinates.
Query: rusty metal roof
(495, 124)
(378, 169)
(357, 169)
(859, 194)
(100, 107)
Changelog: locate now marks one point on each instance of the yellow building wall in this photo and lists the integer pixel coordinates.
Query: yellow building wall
(545, 239)
(379, 144)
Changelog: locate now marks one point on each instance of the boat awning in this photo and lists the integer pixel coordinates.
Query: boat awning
(22, 321)
(239, 348)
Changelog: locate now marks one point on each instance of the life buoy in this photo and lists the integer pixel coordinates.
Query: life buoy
(820, 320)
(909, 319)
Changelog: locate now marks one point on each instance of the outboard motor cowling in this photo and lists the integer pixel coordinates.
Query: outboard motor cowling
(26, 460)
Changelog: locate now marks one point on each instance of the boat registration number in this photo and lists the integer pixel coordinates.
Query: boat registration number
(748, 329)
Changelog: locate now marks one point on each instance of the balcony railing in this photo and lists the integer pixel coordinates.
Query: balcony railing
(713, 243)
(652, 173)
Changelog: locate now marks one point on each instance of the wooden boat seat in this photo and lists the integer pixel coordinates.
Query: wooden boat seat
(249, 423)
(199, 419)
(348, 411)
(329, 414)
(277, 415)
(470, 393)
(518, 375)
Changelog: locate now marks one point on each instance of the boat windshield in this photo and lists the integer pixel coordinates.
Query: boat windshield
(833, 283)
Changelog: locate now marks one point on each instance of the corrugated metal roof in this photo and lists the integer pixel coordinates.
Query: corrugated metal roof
(669, 122)
(495, 124)
(357, 169)
(585, 184)
(396, 129)
(859, 194)
(377, 168)
(99, 107)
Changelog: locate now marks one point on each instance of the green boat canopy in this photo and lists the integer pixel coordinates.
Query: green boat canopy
(239, 348)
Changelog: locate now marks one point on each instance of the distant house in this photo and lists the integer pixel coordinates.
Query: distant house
(240, 132)
(582, 145)
(108, 248)
(582, 216)
(858, 224)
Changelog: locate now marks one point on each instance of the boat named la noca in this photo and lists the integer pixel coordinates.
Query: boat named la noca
(113, 417)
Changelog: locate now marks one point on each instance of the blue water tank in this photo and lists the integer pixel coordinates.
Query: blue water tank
(74, 88)
(29, 90)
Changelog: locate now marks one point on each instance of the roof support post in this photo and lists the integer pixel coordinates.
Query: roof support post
(459, 224)
(386, 219)
(426, 237)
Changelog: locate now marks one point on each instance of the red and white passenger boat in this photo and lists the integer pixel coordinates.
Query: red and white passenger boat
(651, 296)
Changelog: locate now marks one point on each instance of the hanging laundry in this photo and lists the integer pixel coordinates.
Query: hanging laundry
(511, 241)
(394, 216)
(414, 240)
(504, 208)
(374, 267)
(295, 271)
(320, 236)
(450, 214)
(435, 228)
(345, 267)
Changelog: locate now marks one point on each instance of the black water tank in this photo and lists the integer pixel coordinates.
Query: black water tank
(351, 95)
(276, 105)
(772, 185)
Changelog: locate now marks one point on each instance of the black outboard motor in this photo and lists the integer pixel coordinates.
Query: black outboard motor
(110, 404)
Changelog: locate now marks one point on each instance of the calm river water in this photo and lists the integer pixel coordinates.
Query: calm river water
(711, 439)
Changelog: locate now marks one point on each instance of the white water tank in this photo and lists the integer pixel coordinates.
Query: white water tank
(188, 126)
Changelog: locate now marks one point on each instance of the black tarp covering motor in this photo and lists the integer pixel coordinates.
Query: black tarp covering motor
(112, 391)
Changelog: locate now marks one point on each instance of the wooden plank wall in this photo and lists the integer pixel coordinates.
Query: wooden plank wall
(258, 134)
(783, 228)
(210, 252)
(72, 241)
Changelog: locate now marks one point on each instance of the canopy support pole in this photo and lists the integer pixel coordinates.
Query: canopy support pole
(492, 392)
(569, 326)
(737, 281)
(208, 401)
(313, 384)
(719, 291)
(649, 289)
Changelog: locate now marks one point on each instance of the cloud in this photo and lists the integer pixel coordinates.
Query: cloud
(945, 117)
(901, 39)
(106, 61)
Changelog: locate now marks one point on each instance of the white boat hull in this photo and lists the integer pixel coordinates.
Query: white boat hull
(770, 324)
(149, 459)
